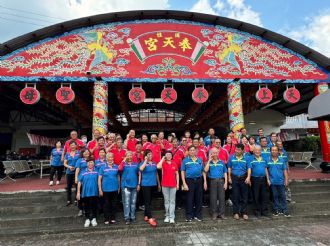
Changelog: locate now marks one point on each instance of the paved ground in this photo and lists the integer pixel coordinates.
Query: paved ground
(288, 232)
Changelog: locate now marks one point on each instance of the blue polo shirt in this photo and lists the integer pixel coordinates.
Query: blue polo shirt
(217, 170)
(56, 157)
(276, 171)
(109, 178)
(193, 169)
(258, 166)
(89, 183)
(72, 160)
(129, 178)
(270, 144)
(82, 165)
(149, 174)
(239, 167)
(265, 153)
(207, 140)
(284, 156)
(100, 163)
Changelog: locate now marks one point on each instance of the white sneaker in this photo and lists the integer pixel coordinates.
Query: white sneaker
(167, 220)
(57, 182)
(94, 223)
(87, 223)
(51, 183)
(80, 213)
(172, 221)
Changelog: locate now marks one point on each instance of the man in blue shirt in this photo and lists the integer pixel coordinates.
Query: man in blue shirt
(207, 139)
(259, 177)
(273, 139)
(278, 179)
(217, 172)
(191, 174)
(239, 172)
(88, 192)
(265, 151)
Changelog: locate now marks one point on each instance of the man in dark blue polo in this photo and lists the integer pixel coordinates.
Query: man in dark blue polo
(193, 180)
(239, 172)
(278, 180)
(265, 150)
(272, 140)
(259, 182)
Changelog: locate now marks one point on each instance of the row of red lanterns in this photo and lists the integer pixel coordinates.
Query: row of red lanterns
(168, 95)
(290, 95)
(65, 94)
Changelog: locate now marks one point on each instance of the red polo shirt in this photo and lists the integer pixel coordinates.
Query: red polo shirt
(96, 152)
(156, 152)
(145, 146)
(178, 155)
(223, 155)
(230, 148)
(137, 157)
(202, 155)
(118, 155)
(131, 142)
(80, 144)
(91, 144)
(169, 177)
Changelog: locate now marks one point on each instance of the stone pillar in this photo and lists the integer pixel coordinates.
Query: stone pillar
(100, 106)
(235, 108)
(324, 129)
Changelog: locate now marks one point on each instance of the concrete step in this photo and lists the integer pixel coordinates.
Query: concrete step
(311, 196)
(63, 216)
(310, 188)
(77, 231)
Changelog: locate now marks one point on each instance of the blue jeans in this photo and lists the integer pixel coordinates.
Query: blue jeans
(279, 198)
(129, 202)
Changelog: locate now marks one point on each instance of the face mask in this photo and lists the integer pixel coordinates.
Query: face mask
(84, 140)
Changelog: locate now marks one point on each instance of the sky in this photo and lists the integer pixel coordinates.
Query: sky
(307, 21)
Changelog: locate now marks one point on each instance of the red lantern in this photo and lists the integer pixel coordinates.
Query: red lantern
(168, 95)
(29, 95)
(200, 94)
(291, 95)
(264, 95)
(137, 95)
(65, 94)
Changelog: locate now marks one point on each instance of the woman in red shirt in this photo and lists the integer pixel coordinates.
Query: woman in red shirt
(170, 184)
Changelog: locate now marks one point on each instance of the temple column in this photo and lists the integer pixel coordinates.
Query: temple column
(324, 129)
(100, 106)
(235, 108)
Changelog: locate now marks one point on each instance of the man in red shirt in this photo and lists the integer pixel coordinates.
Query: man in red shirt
(100, 144)
(177, 152)
(118, 152)
(144, 141)
(163, 142)
(200, 154)
(223, 153)
(73, 137)
(91, 145)
(137, 154)
(155, 149)
(131, 141)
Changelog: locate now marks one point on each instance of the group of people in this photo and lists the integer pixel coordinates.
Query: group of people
(195, 168)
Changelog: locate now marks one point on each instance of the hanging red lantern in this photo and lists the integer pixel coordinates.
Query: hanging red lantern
(137, 94)
(29, 95)
(264, 95)
(291, 95)
(65, 94)
(168, 94)
(200, 94)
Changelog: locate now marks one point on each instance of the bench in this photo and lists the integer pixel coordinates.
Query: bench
(9, 170)
(301, 157)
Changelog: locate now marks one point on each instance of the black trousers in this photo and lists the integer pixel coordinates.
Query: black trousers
(147, 197)
(259, 191)
(110, 205)
(69, 184)
(194, 198)
(180, 195)
(240, 195)
(90, 206)
(53, 170)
